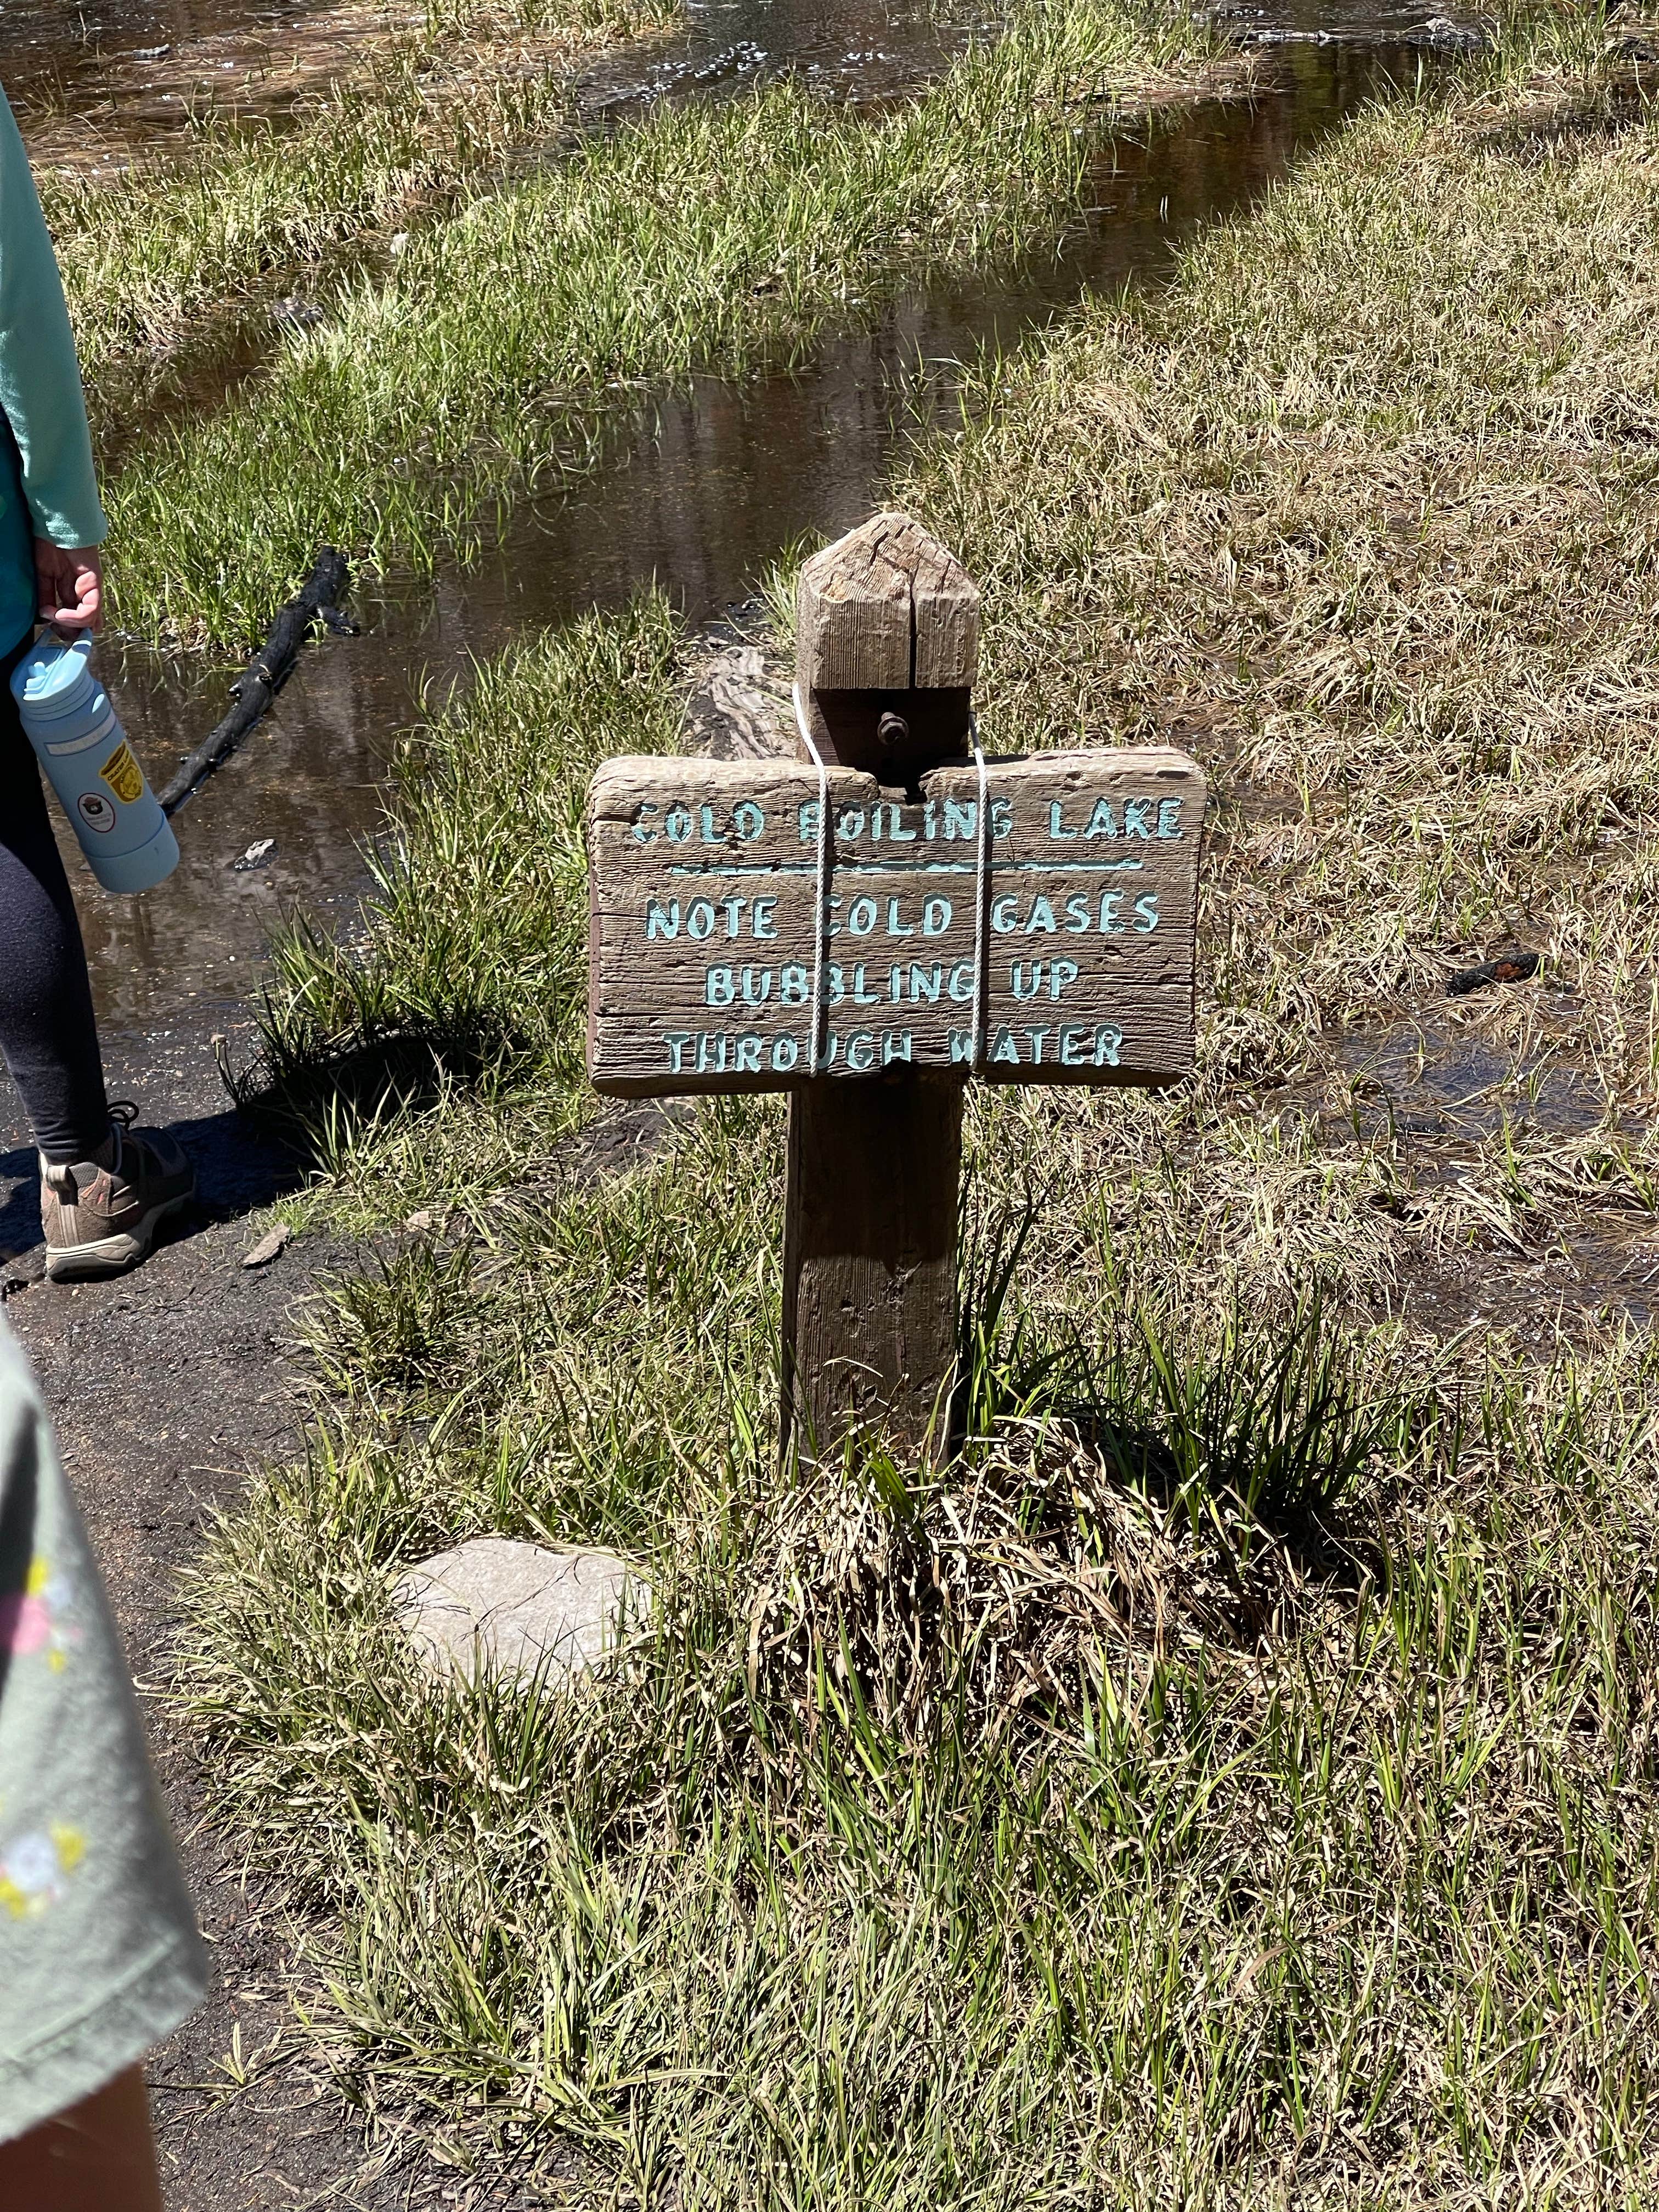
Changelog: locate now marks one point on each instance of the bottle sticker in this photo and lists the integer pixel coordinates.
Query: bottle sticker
(96, 810)
(122, 773)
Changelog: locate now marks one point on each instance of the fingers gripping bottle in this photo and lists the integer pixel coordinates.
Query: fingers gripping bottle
(80, 745)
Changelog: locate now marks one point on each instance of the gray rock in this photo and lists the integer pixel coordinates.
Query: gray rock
(269, 1247)
(509, 1608)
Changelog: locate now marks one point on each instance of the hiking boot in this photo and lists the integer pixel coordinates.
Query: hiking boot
(101, 1216)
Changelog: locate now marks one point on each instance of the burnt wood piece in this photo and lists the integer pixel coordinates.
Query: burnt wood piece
(265, 675)
(1508, 968)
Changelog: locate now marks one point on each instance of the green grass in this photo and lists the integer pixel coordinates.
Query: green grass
(1231, 1782)
(176, 262)
(710, 235)
(490, 973)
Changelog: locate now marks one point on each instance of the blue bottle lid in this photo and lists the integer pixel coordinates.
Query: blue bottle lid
(53, 677)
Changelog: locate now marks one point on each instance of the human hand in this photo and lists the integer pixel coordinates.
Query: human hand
(69, 585)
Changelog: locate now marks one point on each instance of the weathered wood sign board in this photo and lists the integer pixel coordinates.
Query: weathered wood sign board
(705, 882)
(1036, 926)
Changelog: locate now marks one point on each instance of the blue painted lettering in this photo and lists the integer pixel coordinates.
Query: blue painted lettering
(748, 819)
(1169, 817)
(1109, 1042)
(1036, 1037)
(677, 1041)
(924, 983)
(661, 920)
(895, 926)
(1070, 1042)
(1077, 914)
(1027, 982)
(756, 992)
(794, 983)
(710, 836)
(960, 820)
(785, 1053)
(861, 1052)
(1042, 917)
(641, 835)
(700, 920)
(1005, 915)
(760, 917)
(1056, 823)
(748, 1054)
(962, 982)
(895, 1045)
(1109, 903)
(1146, 915)
(734, 908)
(1103, 822)
(678, 823)
(1061, 973)
(936, 917)
(1002, 817)
(1004, 1047)
(1135, 824)
(861, 917)
(719, 987)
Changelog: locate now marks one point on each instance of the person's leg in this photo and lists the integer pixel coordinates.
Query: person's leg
(105, 1187)
(47, 1032)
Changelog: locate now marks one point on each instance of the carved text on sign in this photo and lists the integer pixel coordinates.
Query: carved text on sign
(706, 883)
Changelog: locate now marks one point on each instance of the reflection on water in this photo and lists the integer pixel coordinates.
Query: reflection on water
(702, 489)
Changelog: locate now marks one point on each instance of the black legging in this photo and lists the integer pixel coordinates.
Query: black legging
(47, 1032)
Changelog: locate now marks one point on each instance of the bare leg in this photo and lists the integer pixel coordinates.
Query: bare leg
(97, 2156)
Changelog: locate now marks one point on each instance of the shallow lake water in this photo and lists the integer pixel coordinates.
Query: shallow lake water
(701, 488)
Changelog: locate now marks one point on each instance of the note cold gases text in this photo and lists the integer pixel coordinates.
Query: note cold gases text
(705, 882)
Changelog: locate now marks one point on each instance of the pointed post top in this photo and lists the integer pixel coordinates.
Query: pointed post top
(887, 608)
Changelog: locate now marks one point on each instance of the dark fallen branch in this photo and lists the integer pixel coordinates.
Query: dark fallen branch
(261, 680)
(1508, 968)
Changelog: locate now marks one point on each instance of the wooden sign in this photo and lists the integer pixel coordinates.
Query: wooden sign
(868, 926)
(1052, 943)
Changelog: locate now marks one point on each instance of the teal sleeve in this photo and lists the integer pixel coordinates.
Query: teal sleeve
(40, 380)
(99, 1953)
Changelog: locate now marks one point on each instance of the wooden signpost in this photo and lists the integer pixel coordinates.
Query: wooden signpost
(868, 926)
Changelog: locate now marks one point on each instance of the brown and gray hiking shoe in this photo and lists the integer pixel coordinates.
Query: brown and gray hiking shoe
(101, 1215)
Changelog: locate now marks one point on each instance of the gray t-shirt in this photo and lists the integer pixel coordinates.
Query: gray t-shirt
(99, 1953)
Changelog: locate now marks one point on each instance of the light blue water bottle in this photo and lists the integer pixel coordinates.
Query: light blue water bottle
(80, 745)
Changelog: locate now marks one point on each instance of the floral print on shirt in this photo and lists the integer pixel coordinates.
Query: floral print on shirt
(41, 1617)
(38, 1622)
